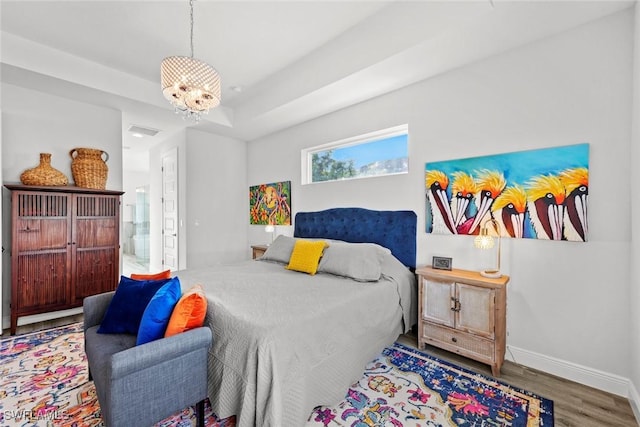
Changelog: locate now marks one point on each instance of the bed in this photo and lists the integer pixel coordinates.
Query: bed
(286, 342)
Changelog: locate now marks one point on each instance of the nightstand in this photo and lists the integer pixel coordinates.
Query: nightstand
(463, 312)
(258, 250)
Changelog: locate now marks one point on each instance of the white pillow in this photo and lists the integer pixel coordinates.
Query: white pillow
(280, 250)
(358, 261)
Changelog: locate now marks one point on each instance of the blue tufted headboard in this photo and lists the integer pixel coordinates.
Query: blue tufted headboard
(395, 230)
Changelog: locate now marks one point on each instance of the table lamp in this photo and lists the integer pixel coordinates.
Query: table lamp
(485, 241)
(270, 228)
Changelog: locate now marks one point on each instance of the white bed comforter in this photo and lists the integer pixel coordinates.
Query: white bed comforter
(285, 342)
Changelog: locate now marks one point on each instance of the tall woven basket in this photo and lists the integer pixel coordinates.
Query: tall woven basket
(89, 167)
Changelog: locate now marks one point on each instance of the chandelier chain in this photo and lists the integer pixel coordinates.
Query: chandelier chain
(191, 4)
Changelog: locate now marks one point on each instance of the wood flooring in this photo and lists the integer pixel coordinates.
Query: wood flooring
(38, 326)
(575, 405)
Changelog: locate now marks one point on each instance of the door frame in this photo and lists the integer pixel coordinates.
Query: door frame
(171, 154)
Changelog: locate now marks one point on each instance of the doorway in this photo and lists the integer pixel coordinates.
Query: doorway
(136, 250)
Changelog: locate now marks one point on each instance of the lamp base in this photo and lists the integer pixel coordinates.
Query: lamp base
(491, 274)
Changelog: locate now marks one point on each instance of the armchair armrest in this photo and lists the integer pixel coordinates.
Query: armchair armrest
(138, 358)
(94, 307)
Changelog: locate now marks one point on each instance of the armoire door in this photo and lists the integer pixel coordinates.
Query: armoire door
(40, 261)
(95, 245)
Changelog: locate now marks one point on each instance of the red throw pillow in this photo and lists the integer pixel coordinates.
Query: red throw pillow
(153, 276)
(189, 312)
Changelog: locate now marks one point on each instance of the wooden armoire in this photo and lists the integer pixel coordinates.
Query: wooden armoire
(65, 245)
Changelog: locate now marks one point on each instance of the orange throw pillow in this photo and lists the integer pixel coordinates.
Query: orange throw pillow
(157, 276)
(189, 312)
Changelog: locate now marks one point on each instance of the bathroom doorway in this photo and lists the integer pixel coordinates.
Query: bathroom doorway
(136, 248)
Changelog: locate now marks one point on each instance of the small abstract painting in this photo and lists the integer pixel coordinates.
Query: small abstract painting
(537, 194)
(270, 203)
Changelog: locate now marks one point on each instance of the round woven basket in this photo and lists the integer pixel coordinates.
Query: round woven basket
(44, 173)
(89, 167)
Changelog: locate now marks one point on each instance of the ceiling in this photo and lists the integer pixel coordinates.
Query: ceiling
(281, 62)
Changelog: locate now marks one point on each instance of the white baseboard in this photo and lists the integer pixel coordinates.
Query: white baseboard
(606, 381)
(634, 400)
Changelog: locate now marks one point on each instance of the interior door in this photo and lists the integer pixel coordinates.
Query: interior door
(170, 227)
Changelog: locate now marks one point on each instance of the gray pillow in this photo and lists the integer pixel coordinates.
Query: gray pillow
(280, 250)
(359, 261)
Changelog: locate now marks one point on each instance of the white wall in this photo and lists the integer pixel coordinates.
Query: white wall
(217, 199)
(634, 301)
(213, 201)
(567, 310)
(34, 122)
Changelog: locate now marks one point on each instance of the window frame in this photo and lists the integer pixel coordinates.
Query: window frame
(307, 153)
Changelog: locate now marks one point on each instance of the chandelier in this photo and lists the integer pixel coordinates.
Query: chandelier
(192, 86)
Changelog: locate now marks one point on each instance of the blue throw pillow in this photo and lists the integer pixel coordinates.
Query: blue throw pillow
(158, 312)
(127, 306)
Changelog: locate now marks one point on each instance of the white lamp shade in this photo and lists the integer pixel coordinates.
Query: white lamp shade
(190, 83)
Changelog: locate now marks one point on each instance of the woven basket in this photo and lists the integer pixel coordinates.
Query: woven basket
(89, 168)
(44, 173)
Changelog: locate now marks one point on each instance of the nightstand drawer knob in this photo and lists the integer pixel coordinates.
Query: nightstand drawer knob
(454, 339)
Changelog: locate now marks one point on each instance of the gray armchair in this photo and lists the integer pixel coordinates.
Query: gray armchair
(141, 385)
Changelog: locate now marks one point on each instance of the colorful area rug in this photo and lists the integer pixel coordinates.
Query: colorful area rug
(44, 383)
(405, 387)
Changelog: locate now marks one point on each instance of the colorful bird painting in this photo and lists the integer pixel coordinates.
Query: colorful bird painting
(489, 185)
(463, 190)
(510, 208)
(576, 184)
(437, 183)
(538, 194)
(545, 196)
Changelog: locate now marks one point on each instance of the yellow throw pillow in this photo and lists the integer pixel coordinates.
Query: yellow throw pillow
(306, 256)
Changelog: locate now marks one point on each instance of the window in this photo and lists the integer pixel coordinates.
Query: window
(378, 153)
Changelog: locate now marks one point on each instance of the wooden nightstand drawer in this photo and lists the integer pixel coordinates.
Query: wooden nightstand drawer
(459, 342)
